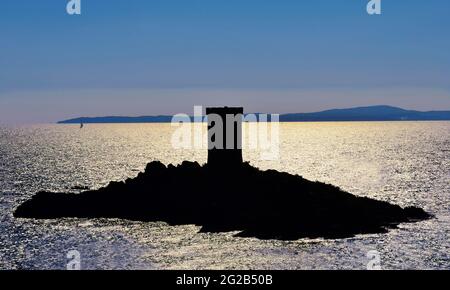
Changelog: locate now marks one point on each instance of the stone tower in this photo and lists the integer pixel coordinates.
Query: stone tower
(224, 136)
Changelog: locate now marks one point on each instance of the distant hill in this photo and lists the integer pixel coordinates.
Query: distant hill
(372, 113)
(118, 119)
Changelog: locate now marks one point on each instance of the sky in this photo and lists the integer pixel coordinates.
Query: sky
(150, 57)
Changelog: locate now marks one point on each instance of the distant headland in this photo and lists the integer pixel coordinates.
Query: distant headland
(371, 113)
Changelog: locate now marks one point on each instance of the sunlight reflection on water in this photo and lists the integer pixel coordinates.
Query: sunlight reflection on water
(407, 163)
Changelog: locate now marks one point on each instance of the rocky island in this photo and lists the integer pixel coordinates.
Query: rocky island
(225, 195)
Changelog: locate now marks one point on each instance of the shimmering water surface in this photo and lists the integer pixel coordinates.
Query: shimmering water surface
(407, 163)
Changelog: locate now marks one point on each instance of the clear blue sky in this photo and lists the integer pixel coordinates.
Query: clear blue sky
(144, 57)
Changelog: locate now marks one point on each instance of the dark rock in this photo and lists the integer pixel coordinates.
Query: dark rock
(263, 204)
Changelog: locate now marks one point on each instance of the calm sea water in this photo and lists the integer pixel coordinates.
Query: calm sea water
(407, 163)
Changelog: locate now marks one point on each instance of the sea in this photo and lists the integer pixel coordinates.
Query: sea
(405, 163)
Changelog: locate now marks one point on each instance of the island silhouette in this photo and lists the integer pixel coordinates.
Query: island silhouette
(371, 113)
(228, 195)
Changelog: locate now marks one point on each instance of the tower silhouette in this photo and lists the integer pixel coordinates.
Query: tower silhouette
(224, 136)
